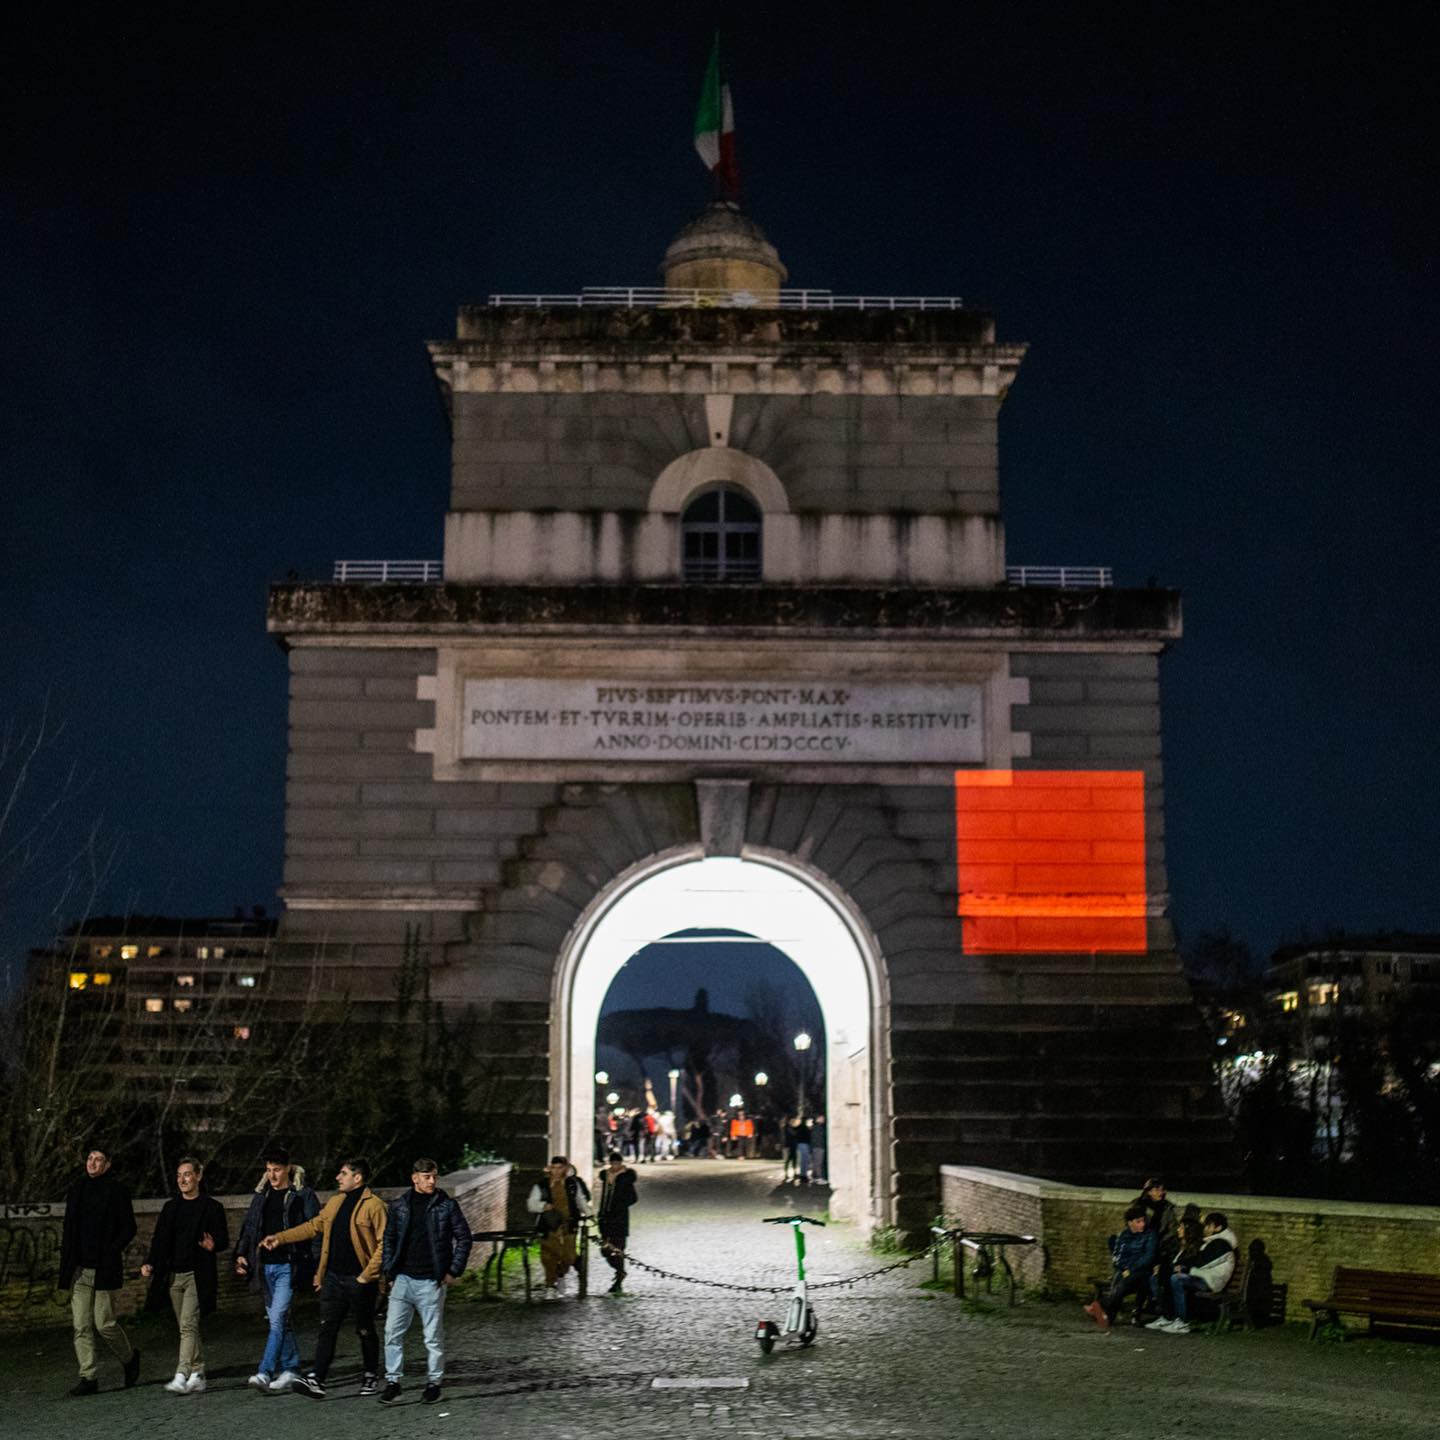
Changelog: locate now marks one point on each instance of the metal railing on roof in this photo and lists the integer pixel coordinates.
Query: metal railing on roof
(1061, 577)
(650, 297)
(389, 572)
(432, 572)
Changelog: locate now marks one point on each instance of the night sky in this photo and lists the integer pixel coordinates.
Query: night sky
(228, 232)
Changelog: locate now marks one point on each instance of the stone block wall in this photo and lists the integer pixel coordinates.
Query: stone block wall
(30, 1248)
(836, 454)
(1305, 1239)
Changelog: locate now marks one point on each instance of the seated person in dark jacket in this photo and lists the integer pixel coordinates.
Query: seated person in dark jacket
(1132, 1252)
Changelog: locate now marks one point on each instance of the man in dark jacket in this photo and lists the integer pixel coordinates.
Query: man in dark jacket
(281, 1200)
(615, 1196)
(99, 1224)
(190, 1232)
(1133, 1254)
(426, 1245)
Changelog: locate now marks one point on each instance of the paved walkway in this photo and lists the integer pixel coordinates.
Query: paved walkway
(891, 1360)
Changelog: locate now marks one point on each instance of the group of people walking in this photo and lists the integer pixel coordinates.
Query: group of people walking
(350, 1250)
(1165, 1257)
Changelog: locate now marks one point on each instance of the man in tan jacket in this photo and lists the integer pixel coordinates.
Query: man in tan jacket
(351, 1226)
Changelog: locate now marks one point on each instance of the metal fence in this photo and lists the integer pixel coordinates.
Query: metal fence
(650, 297)
(389, 572)
(1061, 577)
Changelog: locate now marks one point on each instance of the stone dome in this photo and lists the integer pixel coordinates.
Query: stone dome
(722, 248)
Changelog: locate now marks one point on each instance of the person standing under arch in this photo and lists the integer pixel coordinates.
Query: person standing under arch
(560, 1201)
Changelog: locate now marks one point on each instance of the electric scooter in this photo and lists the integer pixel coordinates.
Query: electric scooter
(800, 1321)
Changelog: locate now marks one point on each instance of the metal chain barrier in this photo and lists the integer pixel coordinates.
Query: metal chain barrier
(785, 1289)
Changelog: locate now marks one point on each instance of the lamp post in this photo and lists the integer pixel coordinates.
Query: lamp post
(803, 1043)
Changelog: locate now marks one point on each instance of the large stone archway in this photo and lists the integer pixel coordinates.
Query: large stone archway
(783, 902)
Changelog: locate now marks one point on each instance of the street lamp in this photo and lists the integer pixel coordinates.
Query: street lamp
(602, 1077)
(674, 1080)
(761, 1078)
(803, 1043)
(613, 1098)
(736, 1101)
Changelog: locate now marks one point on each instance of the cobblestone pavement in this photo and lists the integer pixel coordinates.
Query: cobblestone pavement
(892, 1359)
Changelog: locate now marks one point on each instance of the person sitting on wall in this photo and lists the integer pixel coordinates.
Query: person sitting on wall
(1132, 1254)
(1161, 1219)
(560, 1201)
(1208, 1276)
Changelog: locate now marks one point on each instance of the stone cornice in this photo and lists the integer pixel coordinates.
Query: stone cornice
(429, 612)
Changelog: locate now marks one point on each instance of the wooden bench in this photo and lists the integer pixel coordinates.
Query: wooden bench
(1385, 1297)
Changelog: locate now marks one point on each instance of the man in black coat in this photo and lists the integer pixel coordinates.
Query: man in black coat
(190, 1232)
(427, 1242)
(615, 1196)
(99, 1224)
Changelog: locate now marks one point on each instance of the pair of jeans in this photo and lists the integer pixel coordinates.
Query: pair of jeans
(281, 1351)
(1182, 1287)
(340, 1295)
(802, 1159)
(410, 1297)
(92, 1312)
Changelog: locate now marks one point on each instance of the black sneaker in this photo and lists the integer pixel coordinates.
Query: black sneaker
(369, 1384)
(85, 1387)
(132, 1369)
(391, 1393)
(432, 1393)
(309, 1385)
(617, 1288)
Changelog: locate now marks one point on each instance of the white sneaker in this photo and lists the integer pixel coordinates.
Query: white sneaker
(259, 1381)
(1161, 1324)
(1178, 1327)
(195, 1385)
(178, 1384)
(282, 1382)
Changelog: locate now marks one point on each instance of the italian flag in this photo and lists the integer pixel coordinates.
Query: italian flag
(715, 129)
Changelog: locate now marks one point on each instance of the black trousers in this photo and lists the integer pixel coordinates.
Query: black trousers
(341, 1295)
(612, 1244)
(1136, 1283)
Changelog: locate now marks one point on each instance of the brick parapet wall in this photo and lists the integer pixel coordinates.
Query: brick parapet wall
(1305, 1238)
(30, 1248)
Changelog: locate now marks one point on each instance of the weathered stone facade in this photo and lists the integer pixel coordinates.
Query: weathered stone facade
(867, 443)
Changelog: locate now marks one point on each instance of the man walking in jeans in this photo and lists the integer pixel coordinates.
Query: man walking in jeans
(281, 1200)
(99, 1224)
(426, 1245)
(351, 1228)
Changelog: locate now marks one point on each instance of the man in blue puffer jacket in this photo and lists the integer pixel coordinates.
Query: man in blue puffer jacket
(1133, 1254)
(427, 1243)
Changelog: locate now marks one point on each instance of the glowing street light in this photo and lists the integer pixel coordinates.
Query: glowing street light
(674, 1080)
(761, 1078)
(737, 1100)
(602, 1077)
(613, 1098)
(803, 1042)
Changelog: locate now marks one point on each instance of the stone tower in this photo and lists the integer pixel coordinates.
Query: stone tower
(725, 575)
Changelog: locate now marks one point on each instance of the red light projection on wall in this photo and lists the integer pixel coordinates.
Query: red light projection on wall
(1051, 860)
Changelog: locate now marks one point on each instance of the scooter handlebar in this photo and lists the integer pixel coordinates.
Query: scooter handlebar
(792, 1220)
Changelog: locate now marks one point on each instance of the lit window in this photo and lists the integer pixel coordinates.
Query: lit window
(1324, 993)
(242, 1032)
(101, 952)
(245, 981)
(218, 953)
(1290, 1000)
(153, 952)
(202, 952)
(100, 977)
(79, 979)
(720, 537)
(185, 980)
(129, 952)
(184, 1004)
(154, 1005)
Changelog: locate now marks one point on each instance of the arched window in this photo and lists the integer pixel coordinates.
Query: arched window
(720, 537)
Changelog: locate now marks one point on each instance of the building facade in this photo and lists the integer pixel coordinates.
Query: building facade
(725, 579)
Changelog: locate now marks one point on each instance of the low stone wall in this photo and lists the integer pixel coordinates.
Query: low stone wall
(1305, 1239)
(30, 1248)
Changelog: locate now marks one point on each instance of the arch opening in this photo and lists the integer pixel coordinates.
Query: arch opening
(776, 903)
